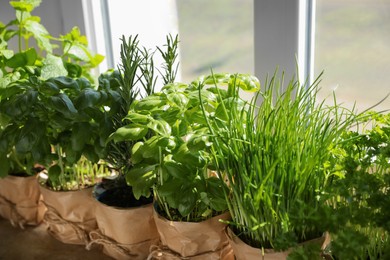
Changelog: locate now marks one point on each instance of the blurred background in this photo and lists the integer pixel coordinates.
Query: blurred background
(349, 41)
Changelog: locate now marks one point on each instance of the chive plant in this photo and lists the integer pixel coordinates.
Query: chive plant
(274, 154)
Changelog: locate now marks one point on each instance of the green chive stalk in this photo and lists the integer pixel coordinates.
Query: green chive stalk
(274, 154)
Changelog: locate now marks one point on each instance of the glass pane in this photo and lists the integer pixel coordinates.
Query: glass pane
(215, 34)
(353, 49)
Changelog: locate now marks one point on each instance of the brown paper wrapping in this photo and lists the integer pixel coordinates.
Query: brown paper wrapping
(125, 233)
(21, 200)
(243, 251)
(70, 215)
(192, 240)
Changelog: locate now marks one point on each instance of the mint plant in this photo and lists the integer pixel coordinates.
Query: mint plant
(74, 59)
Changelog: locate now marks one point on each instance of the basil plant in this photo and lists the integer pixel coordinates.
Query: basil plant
(172, 152)
(28, 76)
(57, 122)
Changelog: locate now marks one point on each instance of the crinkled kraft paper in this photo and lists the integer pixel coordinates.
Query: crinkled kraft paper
(243, 251)
(195, 240)
(126, 233)
(21, 200)
(70, 215)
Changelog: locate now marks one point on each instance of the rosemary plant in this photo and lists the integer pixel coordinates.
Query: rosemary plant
(137, 80)
(275, 154)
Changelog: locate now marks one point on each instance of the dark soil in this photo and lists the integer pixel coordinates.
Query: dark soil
(19, 174)
(123, 197)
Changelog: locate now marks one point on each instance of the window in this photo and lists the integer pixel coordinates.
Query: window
(215, 34)
(352, 47)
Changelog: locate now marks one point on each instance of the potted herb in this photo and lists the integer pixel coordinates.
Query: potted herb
(172, 157)
(59, 131)
(125, 221)
(17, 66)
(275, 154)
(361, 189)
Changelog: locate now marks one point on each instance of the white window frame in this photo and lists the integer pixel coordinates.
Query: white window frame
(283, 38)
(283, 33)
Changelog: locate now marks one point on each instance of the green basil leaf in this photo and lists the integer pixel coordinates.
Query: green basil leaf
(151, 148)
(88, 98)
(137, 118)
(74, 70)
(187, 202)
(136, 153)
(178, 99)
(216, 194)
(81, 133)
(63, 104)
(246, 82)
(49, 88)
(198, 142)
(142, 179)
(150, 103)
(129, 132)
(176, 170)
(161, 127)
(21, 103)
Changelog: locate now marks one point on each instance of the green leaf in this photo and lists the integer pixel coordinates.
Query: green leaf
(21, 103)
(63, 104)
(178, 99)
(49, 88)
(149, 103)
(151, 147)
(169, 188)
(136, 153)
(230, 103)
(40, 34)
(22, 59)
(7, 53)
(79, 52)
(74, 70)
(167, 143)
(198, 142)
(88, 98)
(215, 192)
(81, 133)
(246, 82)
(4, 168)
(65, 82)
(129, 132)
(176, 170)
(216, 78)
(141, 179)
(187, 202)
(160, 126)
(54, 174)
(137, 118)
(190, 159)
(53, 67)
(22, 6)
